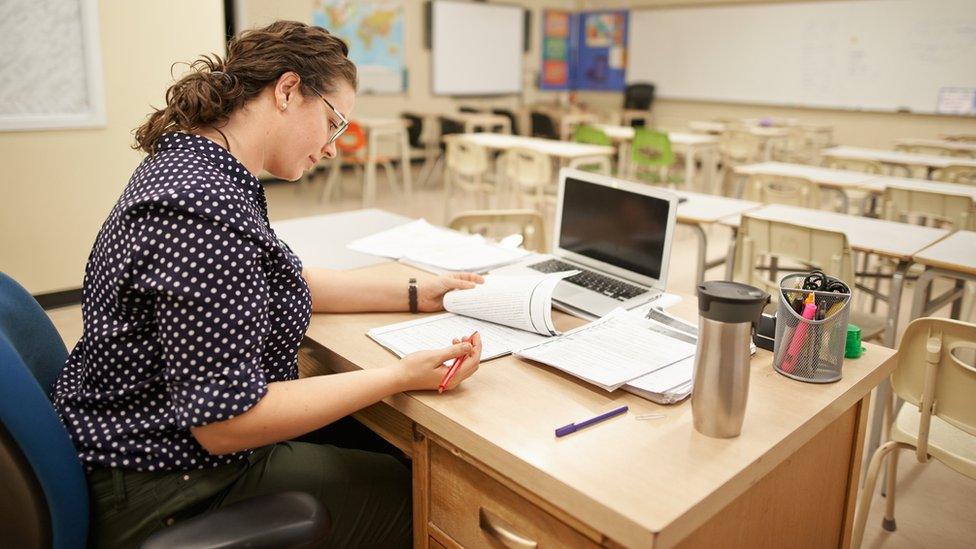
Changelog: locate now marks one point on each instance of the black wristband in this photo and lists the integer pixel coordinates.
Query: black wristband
(412, 295)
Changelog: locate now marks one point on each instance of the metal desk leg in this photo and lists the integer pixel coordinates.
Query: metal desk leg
(690, 169)
(702, 249)
(730, 258)
(921, 297)
(405, 162)
(369, 186)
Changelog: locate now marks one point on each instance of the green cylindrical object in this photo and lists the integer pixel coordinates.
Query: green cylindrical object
(853, 347)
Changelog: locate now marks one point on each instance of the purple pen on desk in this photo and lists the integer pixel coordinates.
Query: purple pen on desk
(573, 427)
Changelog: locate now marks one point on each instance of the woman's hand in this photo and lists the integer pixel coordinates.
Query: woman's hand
(430, 292)
(424, 370)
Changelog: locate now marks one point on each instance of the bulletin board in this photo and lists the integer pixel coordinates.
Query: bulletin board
(601, 51)
(51, 73)
(557, 47)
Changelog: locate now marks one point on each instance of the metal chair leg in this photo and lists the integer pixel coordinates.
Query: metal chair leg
(889, 518)
(867, 491)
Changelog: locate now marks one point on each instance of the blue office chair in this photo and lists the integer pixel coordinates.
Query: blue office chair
(45, 503)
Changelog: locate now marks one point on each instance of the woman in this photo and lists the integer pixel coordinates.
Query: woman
(182, 394)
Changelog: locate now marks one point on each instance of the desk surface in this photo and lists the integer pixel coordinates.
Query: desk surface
(897, 157)
(709, 208)
(879, 184)
(626, 133)
(562, 149)
(957, 252)
(640, 482)
(320, 241)
(828, 177)
(711, 126)
(960, 146)
(887, 238)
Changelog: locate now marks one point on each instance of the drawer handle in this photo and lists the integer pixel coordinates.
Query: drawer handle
(501, 531)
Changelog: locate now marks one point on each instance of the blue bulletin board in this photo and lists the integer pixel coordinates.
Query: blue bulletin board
(601, 50)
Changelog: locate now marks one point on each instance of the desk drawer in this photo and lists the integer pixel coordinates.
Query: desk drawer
(476, 510)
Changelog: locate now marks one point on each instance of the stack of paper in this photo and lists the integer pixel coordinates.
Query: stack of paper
(610, 352)
(437, 249)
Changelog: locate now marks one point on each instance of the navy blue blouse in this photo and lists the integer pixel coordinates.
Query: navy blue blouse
(191, 307)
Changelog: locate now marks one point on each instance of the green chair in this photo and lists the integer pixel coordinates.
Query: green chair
(651, 156)
(591, 135)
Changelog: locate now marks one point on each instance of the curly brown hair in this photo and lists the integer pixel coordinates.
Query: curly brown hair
(256, 58)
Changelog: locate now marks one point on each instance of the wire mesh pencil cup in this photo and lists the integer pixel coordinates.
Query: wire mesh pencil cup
(810, 350)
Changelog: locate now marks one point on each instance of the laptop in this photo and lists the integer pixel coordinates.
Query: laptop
(617, 233)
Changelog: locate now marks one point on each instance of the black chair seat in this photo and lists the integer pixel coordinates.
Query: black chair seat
(288, 519)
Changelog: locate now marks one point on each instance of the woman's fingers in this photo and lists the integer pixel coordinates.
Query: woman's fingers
(471, 277)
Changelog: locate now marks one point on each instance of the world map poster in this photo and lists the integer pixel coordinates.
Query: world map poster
(374, 32)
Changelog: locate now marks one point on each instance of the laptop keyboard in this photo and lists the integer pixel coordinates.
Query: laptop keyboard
(610, 287)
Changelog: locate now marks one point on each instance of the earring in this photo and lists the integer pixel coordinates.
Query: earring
(283, 106)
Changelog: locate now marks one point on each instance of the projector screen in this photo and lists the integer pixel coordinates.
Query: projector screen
(476, 48)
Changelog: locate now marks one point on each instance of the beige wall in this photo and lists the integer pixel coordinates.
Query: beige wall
(869, 129)
(418, 96)
(58, 186)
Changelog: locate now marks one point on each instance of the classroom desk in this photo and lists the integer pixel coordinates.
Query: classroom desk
(897, 158)
(769, 136)
(567, 152)
(879, 184)
(700, 210)
(889, 239)
(375, 129)
(953, 258)
(566, 118)
(690, 145)
(472, 121)
(487, 468)
(839, 181)
(959, 147)
(320, 240)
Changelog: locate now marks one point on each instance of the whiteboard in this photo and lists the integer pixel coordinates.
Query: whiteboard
(477, 48)
(855, 54)
(51, 71)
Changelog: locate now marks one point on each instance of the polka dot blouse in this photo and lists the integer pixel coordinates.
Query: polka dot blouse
(191, 306)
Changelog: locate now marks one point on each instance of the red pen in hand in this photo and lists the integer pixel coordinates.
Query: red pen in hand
(455, 366)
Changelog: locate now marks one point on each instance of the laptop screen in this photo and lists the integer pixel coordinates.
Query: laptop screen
(625, 229)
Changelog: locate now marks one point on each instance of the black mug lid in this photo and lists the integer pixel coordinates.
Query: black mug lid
(733, 302)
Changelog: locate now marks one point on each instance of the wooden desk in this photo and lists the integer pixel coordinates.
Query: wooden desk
(700, 210)
(896, 158)
(484, 456)
(320, 241)
(839, 181)
(375, 129)
(953, 258)
(690, 145)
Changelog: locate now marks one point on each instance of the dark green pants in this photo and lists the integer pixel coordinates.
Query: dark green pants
(367, 494)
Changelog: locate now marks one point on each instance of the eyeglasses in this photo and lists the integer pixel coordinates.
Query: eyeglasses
(343, 123)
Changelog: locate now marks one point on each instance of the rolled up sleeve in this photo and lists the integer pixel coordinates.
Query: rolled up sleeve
(211, 299)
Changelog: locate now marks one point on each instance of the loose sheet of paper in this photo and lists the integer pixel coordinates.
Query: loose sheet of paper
(611, 351)
(437, 249)
(435, 332)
